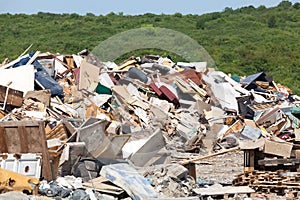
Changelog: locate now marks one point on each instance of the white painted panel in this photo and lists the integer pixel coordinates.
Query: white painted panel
(27, 164)
(21, 78)
(59, 68)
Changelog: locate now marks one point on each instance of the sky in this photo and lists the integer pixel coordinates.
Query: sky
(128, 7)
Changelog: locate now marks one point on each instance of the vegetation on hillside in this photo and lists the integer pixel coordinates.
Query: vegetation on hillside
(241, 41)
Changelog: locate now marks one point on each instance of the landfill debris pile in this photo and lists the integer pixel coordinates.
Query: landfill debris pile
(72, 126)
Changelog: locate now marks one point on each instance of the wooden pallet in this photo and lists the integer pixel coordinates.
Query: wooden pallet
(277, 181)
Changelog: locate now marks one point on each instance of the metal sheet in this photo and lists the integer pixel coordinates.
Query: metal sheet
(251, 78)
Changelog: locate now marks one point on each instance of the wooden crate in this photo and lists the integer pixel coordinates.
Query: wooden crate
(26, 137)
(14, 97)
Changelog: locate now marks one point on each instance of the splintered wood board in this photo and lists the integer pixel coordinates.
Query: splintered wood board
(14, 97)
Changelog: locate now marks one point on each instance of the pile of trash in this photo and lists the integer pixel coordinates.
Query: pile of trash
(74, 126)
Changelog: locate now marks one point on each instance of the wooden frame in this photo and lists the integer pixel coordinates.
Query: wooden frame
(26, 137)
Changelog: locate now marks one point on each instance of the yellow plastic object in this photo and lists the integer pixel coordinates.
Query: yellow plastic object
(11, 181)
(127, 65)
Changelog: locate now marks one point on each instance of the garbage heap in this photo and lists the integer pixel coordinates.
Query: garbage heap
(74, 126)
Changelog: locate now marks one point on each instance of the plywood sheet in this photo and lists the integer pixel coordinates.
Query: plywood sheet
(88, 74)
(283, 149)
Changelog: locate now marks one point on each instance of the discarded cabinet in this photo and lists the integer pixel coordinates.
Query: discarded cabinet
(26, 137)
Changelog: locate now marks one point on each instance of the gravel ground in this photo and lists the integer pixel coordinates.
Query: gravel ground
(220, 169)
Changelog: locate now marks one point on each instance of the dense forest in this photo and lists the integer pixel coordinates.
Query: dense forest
(242, 41)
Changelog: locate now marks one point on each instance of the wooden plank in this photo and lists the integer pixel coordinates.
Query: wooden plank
(249, 160)
(279, 161)
(46, 168)
(192, 170)
(235, 128)
(2, 114)
(23, 139)
(252, 144)
(20, 123)
(211, 191)
(43, 96)
(58, 131)
(3, 144)
(12, 140)
(184, 162)
(102, 184)
(271, 116)
(14, 97)
(34, 139)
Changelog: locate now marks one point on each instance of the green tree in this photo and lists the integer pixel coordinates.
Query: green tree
(285, 4)
(272, 22)
(179, 15)
(200, 24)
(296, 5)
(90, 14)
(228, 9)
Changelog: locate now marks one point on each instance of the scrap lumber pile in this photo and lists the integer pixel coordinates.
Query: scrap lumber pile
(275, 181)
(138, 129)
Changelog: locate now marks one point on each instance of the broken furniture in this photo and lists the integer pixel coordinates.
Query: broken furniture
(18, 137)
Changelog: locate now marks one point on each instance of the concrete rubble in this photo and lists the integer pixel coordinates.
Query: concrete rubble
(72, 126)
